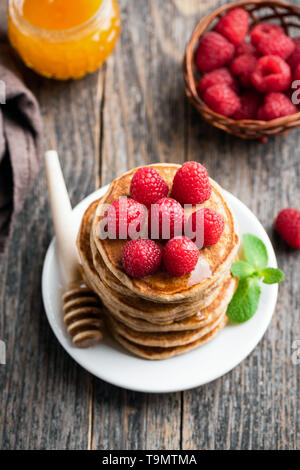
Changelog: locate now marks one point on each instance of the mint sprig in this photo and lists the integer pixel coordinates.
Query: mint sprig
(250, 272)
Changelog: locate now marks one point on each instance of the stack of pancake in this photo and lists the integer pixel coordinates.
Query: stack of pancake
(159, 316)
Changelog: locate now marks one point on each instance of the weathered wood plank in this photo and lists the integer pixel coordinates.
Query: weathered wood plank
(45, 396)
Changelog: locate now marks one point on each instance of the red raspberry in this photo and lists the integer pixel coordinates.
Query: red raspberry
(191, 184)
(180, 256)
(271, 74)
(125, 214)
(210, 223)
(287, 225)
(222, 100)
(250, 102)
(243, 66)
(147, 186)
(264, 29)
(245, 48)
(276, 44)
(141, 257)
(213, 52)
(276, 105)
(215, 77)
(166, 219)
(294, 58)
(234, 25)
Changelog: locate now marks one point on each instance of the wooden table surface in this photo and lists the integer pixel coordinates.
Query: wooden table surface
(132, 112)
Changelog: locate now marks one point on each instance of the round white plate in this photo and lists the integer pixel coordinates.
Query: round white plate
(110, 362)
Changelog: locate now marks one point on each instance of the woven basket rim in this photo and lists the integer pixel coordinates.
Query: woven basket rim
(188, 69)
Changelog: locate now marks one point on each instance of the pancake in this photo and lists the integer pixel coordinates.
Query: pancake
(156, 313)
(161, 286)
(194, 322)
(156, 353)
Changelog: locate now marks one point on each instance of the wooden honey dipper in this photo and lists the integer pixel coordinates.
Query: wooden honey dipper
(81, 306)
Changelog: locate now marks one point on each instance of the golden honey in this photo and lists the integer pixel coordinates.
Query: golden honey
(63, 39)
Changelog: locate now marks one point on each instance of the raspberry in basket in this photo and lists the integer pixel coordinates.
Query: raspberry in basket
(250, 102)
(271, 74)
(245, 48)
(264, 29)
(222, 100)
(234, 25)
(222, 75)
(242, 67)
(213, 52)
(294, 58)
(276, 44)
(276, 105)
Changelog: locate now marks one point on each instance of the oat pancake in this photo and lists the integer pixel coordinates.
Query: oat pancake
(136, 308)
(156, 353)
(162, 287)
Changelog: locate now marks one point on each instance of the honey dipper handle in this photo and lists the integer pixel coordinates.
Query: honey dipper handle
(62, 217)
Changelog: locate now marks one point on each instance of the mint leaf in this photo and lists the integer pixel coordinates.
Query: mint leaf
(255, 251)
(242, 269)
(245, 301)
(271, 275)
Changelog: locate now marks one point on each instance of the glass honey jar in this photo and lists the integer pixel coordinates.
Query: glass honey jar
(63, 39)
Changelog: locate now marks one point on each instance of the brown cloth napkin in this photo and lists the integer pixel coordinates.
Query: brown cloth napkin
(20, 141)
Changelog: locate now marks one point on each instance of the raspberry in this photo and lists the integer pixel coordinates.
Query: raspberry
(147, 186)
(294, 58)
(141, 257)
(264, 29)
(243, 66)
(271, 74)
(234, 25)
(180, 256)
(215, 77)
(222, 100)
(287, 225)
(276, 44)
(166, 219)
(191, 184)
(250, 102)
(210, 222)
(213, 52)
(125, 215)
(276, 105)
(245, 48)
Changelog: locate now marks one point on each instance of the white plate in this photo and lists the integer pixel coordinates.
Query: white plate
(110, 362)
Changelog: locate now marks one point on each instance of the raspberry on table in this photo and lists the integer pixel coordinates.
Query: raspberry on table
(264, 29)
(125, 218)
(191, 184)
(222, 99)
(166, 219)
(245, 48)
(210, 223)
(276, 105)
(243, 66)
(213, 52)
(276, 44)
(294, 58)
(250, 102)
(147, 186)
(222, 75)
(180, 256)
(287, 225)
(141, 257)
(271, 74)
(234, 25)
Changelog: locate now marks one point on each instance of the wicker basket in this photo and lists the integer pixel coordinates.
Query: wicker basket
(288, 16)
